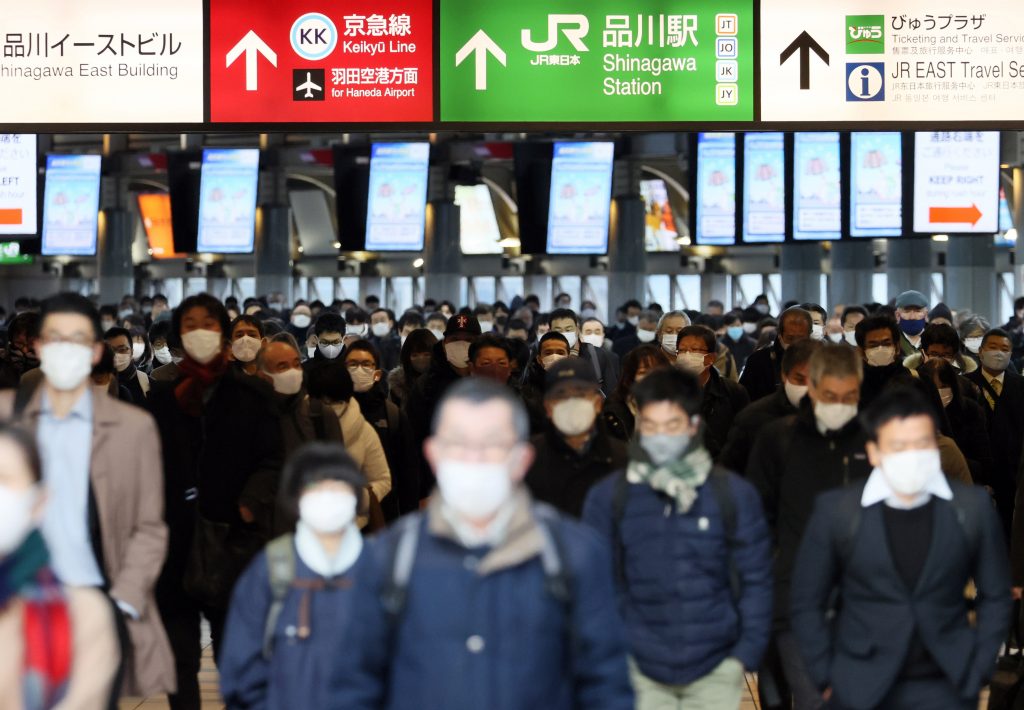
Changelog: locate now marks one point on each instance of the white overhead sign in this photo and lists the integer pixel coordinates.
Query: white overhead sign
(18, 179)
(956, 182)
(102, 61)
(908, 60)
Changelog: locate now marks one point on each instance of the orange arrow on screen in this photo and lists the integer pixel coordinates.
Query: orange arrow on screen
(954, 215)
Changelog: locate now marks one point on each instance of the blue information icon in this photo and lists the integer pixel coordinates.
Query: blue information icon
(865, 81)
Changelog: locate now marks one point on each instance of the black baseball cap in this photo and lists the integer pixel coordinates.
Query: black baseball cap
(462, 323)
(571, 370)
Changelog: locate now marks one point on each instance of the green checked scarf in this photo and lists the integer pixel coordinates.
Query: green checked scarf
(678, 479)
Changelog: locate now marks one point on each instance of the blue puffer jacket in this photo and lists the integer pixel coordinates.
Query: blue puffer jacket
(681, 618)
(497, 641)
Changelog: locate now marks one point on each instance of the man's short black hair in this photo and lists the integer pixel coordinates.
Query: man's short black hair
(700, 331)
(516, 324)
(563, 313)
(552, 335)
(249, 320)
(479, 390)
(71, 303)
(940, 334)
(632, 303)
(410, 318)
(809, 307)
(995, 333)
(118, 332)
(208, 303)
(732, 317)
(799, 353)
(329, 321)
(160, 330)
(877, 322)
(488, 341)
(328, 379)
(850, 310)
(1018, 304)
(897, 402)
(669, 384)
(356, 316)
(365, 346)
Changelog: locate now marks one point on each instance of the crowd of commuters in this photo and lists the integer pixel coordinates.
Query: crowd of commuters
(495, 507)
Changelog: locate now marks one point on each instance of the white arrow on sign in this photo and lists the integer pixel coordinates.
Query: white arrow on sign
(252, 45)
(479, 45)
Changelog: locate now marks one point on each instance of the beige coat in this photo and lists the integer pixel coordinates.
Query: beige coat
(126, 473)
(94, 652)
(363, 444)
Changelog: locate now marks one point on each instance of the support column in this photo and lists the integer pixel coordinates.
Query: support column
(115, 273)
(371, 286)
(713, 287)
(442, 252)
(971, 275)
(909, 266)
(627, 256)
(800, 265)
(853, 264)
(540, 285)
(273, 251)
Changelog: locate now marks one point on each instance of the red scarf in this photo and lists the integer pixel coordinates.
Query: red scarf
(197, 379)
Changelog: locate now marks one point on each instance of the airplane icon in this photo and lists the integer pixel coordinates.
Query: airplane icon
(309, 87)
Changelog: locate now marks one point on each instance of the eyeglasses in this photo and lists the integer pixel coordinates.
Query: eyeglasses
(76, 339)
(471, 451)
(687, 351)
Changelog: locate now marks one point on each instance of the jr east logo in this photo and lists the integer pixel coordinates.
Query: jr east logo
(865, 34)
(575, 29)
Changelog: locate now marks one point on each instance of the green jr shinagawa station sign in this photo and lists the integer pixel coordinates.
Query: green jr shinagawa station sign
(614, 61)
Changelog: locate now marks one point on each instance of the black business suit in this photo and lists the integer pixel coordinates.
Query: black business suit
(861, 652)
(1006, 433)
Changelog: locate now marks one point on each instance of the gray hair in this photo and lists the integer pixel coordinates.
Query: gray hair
(480, 390)
(673, 314)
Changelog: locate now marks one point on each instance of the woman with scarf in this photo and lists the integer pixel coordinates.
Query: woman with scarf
(692, 555)
(58, 645)
(222, 455)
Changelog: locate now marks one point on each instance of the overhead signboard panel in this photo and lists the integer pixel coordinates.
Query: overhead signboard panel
(911, 61)
(102, 62)
(358, 61)
(643, 61)
(956, 182)
(18, 180)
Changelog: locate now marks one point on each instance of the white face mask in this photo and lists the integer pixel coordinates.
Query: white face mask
(946, 395)
(138, 350)
(106, 324)
(548, 361)
(692, 362)
(973, 344)
(882, 356)
(571, 338)
(327, 512)
(573, 416)
(66, 365)
(301, 320)
(834, 417)
(835, 337)
(362, 378)
(633, 320)
(439, 334)
(908, 472)
(486, 326)
(163, 355)
(202, 345)
(668, 343)
(817, 332)
(850, 336)
(749, 328)
(457, 353)
(795, 393)
(358, 331)
(381, 329)
(474, 490)
(596, 340)
(645, 336)
(288, 382)
(122, 361)
(245, 348)
(15, 517)
(330, 351)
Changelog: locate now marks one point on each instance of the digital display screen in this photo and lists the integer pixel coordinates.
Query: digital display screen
(155, 212)
(716, 189)
(956, 182)
(397, 197)
(1005, 238)
(876, 195)
(660, 232)
(580, 204)
(764, 188)
(478, 225)
(227, 200)
(18, 183)
(817, 208)
(71, 203)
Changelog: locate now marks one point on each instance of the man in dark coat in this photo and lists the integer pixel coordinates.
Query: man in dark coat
(900, 549)
(605, 364)
(762, 374)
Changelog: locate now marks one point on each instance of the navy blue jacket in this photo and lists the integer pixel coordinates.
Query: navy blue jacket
(861, 651)
(681, 618)
(297, 674)
(499, 641)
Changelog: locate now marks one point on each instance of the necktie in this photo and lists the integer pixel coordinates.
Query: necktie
(997, 387)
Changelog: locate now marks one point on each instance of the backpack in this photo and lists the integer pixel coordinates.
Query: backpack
(718, 482)
(558, 580)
